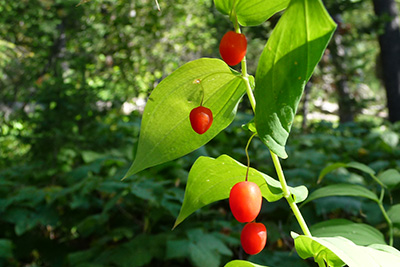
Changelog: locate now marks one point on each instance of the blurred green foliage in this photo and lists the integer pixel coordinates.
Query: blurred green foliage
(66, 140)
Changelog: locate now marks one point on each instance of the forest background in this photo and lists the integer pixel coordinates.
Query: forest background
(74, 80)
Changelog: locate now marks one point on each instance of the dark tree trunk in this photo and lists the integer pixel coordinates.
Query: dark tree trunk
(345, 100)
(389, 42)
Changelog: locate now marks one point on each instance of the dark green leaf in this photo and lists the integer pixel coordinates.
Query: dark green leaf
(6, 247)
(360, 233)
(287, 62)
(342, 190)
(166, 133)
(354, 165)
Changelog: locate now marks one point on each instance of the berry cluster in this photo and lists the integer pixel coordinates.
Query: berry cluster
(245, 202)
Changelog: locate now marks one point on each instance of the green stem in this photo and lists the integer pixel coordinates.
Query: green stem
(389, 222)
(285, 189)
(247, 155)
(288, 195)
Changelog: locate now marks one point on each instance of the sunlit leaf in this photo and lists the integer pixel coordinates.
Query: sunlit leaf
(251, 12)
(338, 251)
(211, 180)
(166, 133)
(241, 263)
(295, 47)
(355, 165)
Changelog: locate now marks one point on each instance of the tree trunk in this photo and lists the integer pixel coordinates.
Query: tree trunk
(389, 42)
(345, 100)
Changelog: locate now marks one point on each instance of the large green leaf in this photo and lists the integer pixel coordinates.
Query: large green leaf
(394, 214)
(342, 190)
(211, 180)
(338, 251)
(241, 263)
(166, 133)
(360, 233)
(287, 62)
(251, 12)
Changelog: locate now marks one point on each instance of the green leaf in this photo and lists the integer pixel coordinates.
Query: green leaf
(342, 190)
(353, 164)
(251, 12)
(166, 133)
(391, 178)
(394, 214)
(287, 62)
(6, 247)
(240, 263)
(360, 233)
(211, 180)
(338, 251)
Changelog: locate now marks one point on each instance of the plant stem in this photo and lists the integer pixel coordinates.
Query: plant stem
(389, 222)
(288, 195)
(282, 180)
(247, 155)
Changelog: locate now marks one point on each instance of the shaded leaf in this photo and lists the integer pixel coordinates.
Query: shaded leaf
(211, 180)
(391, 177)
(359, 233)
(295, 47)
(166, 133)
(342, 190)
(354, 165)
(6, 247)
(394, 213)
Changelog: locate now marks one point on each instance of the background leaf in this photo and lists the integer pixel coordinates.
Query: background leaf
(211, 180)
(287, 62)
(355, 165)
(338, 251)
(391, 177)
(251, 12)
(342, 190)
(394, 214)
(166, 133)
(360, 233)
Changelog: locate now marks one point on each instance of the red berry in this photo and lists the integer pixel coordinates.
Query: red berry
(245, 201)
(253, 238)
(233, 47)
(201, 119)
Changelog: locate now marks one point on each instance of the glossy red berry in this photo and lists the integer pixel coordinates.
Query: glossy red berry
(253, 238)
(245, 201)
(201, 119)
(233, 47)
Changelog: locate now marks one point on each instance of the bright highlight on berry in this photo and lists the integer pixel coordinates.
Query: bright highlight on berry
(201, 119)
(233, 47)
(245, 201)
(253, 238)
